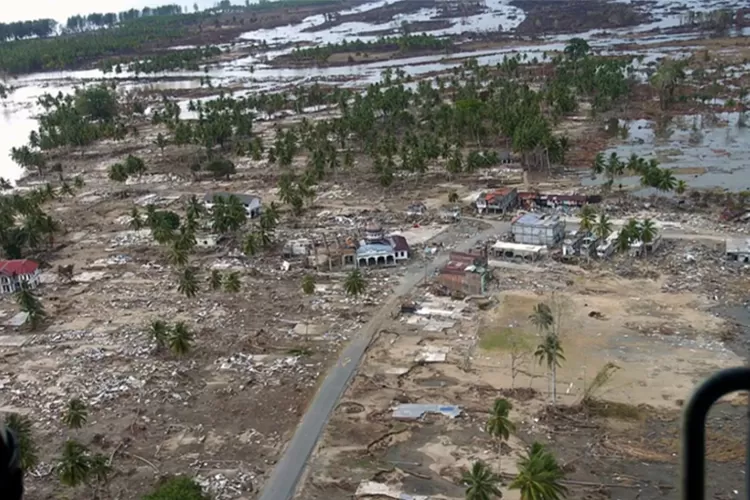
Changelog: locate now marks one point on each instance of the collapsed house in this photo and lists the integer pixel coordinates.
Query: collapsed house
(738, 249)
(252, 204)
(498, 201)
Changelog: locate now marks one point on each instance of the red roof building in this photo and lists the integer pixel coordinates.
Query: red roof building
(15, 272)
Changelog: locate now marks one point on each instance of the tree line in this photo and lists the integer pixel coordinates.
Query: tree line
(39, 28)
(403, 43)
(97, 20)
(186, 59)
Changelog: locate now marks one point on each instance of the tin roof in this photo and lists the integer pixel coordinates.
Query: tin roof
(17, 267)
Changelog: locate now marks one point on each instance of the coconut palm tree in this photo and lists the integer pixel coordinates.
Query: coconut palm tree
(136, 222)
(647, 233)
(178, 255)
(481, 483)
(73, 467)
(603, 227)
(78, 182)
(588, 217)
(21, 427)
(250, 245)
(355, 283)
(118, 173)
(215, 280)
(76, 414)
(539, 476)
(31, 305)
(680, 187)
(542, 317)
(666, 181)
(232, 282)
(188, 283)
(599, 164)
(551, 353)
(158, 331)
(180, 339)
(499, 426)
(452, 197)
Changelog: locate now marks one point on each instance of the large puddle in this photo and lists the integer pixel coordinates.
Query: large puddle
(18, 111)
(708, 150)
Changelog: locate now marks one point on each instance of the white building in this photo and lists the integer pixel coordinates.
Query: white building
(251, 203)
(15, 272)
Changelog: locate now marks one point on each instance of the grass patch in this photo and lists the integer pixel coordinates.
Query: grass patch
(505, 339)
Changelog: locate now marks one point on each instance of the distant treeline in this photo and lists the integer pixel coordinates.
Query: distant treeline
(79, 23)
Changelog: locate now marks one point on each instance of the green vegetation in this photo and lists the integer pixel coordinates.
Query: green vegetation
(177, 488)
(481, 483)
(76, 414)
(187, 59)
(39, 28)
(177, 337)
(406, 43)
(21, 427)
(539, 476)
(355, 283)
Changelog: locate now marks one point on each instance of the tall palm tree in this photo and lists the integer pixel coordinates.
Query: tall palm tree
(603, 227)
(178, 255)
(588, 217)
(76, 414)
(195, 208)
(597, 167)
(250, 245)
(355, 283)
(180, 339)
(539, 476)
(647, 233)
(135, 219)
(21, 427)
(481, 483)
(542, 317)
(551, 353)
(680, 187)
(499, 425)
(188, 283)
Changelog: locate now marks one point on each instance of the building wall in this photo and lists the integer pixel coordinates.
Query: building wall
(469, 283)
(532, 234)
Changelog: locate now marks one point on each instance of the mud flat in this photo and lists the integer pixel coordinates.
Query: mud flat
(547, 17)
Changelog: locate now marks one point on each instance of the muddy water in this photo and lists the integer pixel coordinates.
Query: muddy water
(710, 150)
(254, 76)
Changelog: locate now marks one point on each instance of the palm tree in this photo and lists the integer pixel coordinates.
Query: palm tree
(542, 317)
(31, 305)
(188, 283)
(647, 233)
(452, 197)
(597, 167)
(481, 483)
(355, 283)
(308, 284)
(135, 219)
(158, 331)
(195, 208)
(21, 427)
(118, 173)
(539, 476)
(78, 182)
(681, 187)
(603, 227)
(666, 181)
(178, 256)
(214, 281)
(73, 466)
(588, 217)
(550, 351)
(76, 414)
(180, 339)
(250, 245)
(499, 426)
(232, 282)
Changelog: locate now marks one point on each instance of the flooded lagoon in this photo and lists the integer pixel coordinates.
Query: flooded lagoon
(707, 150)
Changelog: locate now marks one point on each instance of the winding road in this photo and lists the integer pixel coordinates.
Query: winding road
(282, 483)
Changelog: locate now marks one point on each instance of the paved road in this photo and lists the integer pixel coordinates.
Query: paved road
(288, 471)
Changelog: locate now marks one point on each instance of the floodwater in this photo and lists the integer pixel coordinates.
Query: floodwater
(254, 76)
(707, 150)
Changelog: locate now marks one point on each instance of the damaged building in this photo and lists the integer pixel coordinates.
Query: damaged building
(465, 272)
(542, 230)
(498, 201)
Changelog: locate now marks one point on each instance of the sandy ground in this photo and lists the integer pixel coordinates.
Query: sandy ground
(662, 344)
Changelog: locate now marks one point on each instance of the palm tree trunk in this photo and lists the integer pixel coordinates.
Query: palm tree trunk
(554, 384)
